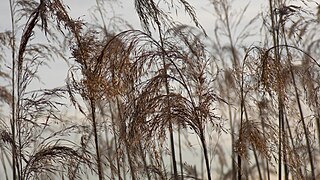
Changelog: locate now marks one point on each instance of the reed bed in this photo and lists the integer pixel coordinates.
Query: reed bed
(146, 100)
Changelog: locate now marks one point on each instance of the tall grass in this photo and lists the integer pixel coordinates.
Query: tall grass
(140, 94)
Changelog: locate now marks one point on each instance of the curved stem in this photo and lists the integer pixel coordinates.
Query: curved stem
(13, 119)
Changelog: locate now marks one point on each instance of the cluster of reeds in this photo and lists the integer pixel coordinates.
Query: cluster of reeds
(141, 93)
(271, 119)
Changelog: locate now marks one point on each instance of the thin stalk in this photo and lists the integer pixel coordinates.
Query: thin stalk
(318, 123)
(203, 142)
(21, 85)
(96, 138)
(233, 50)
(84, 145)
(13, 118)
(102, 18)
(241, 124)
(234, 171)
(124, 168)
(236, 66)
(284, 144)
(280, 109)
(275, 34)
(285, 139)
(264, 136)
(205, 152)
(145, 165)
(18, 124)
(149, 154)
(115, 143)
(300, 110)
(195, 172)
(163, 164)
(287, 170)
(239, 167)
(268, 170)
(304, 129)
(180, 152)
(254, 149)
(280, 116)
(133, 176)
(174, 161)
(293, 145)
(257, 162)
(127, 145)
(108, 146)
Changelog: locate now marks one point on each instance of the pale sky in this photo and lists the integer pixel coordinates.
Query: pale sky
(55, 74)
(82, 9)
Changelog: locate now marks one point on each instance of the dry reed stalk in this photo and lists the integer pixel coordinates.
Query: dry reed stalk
(13, 103)
(275, 36)
(298, 101)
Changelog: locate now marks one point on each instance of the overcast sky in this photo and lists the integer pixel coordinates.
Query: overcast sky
(56, 73)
